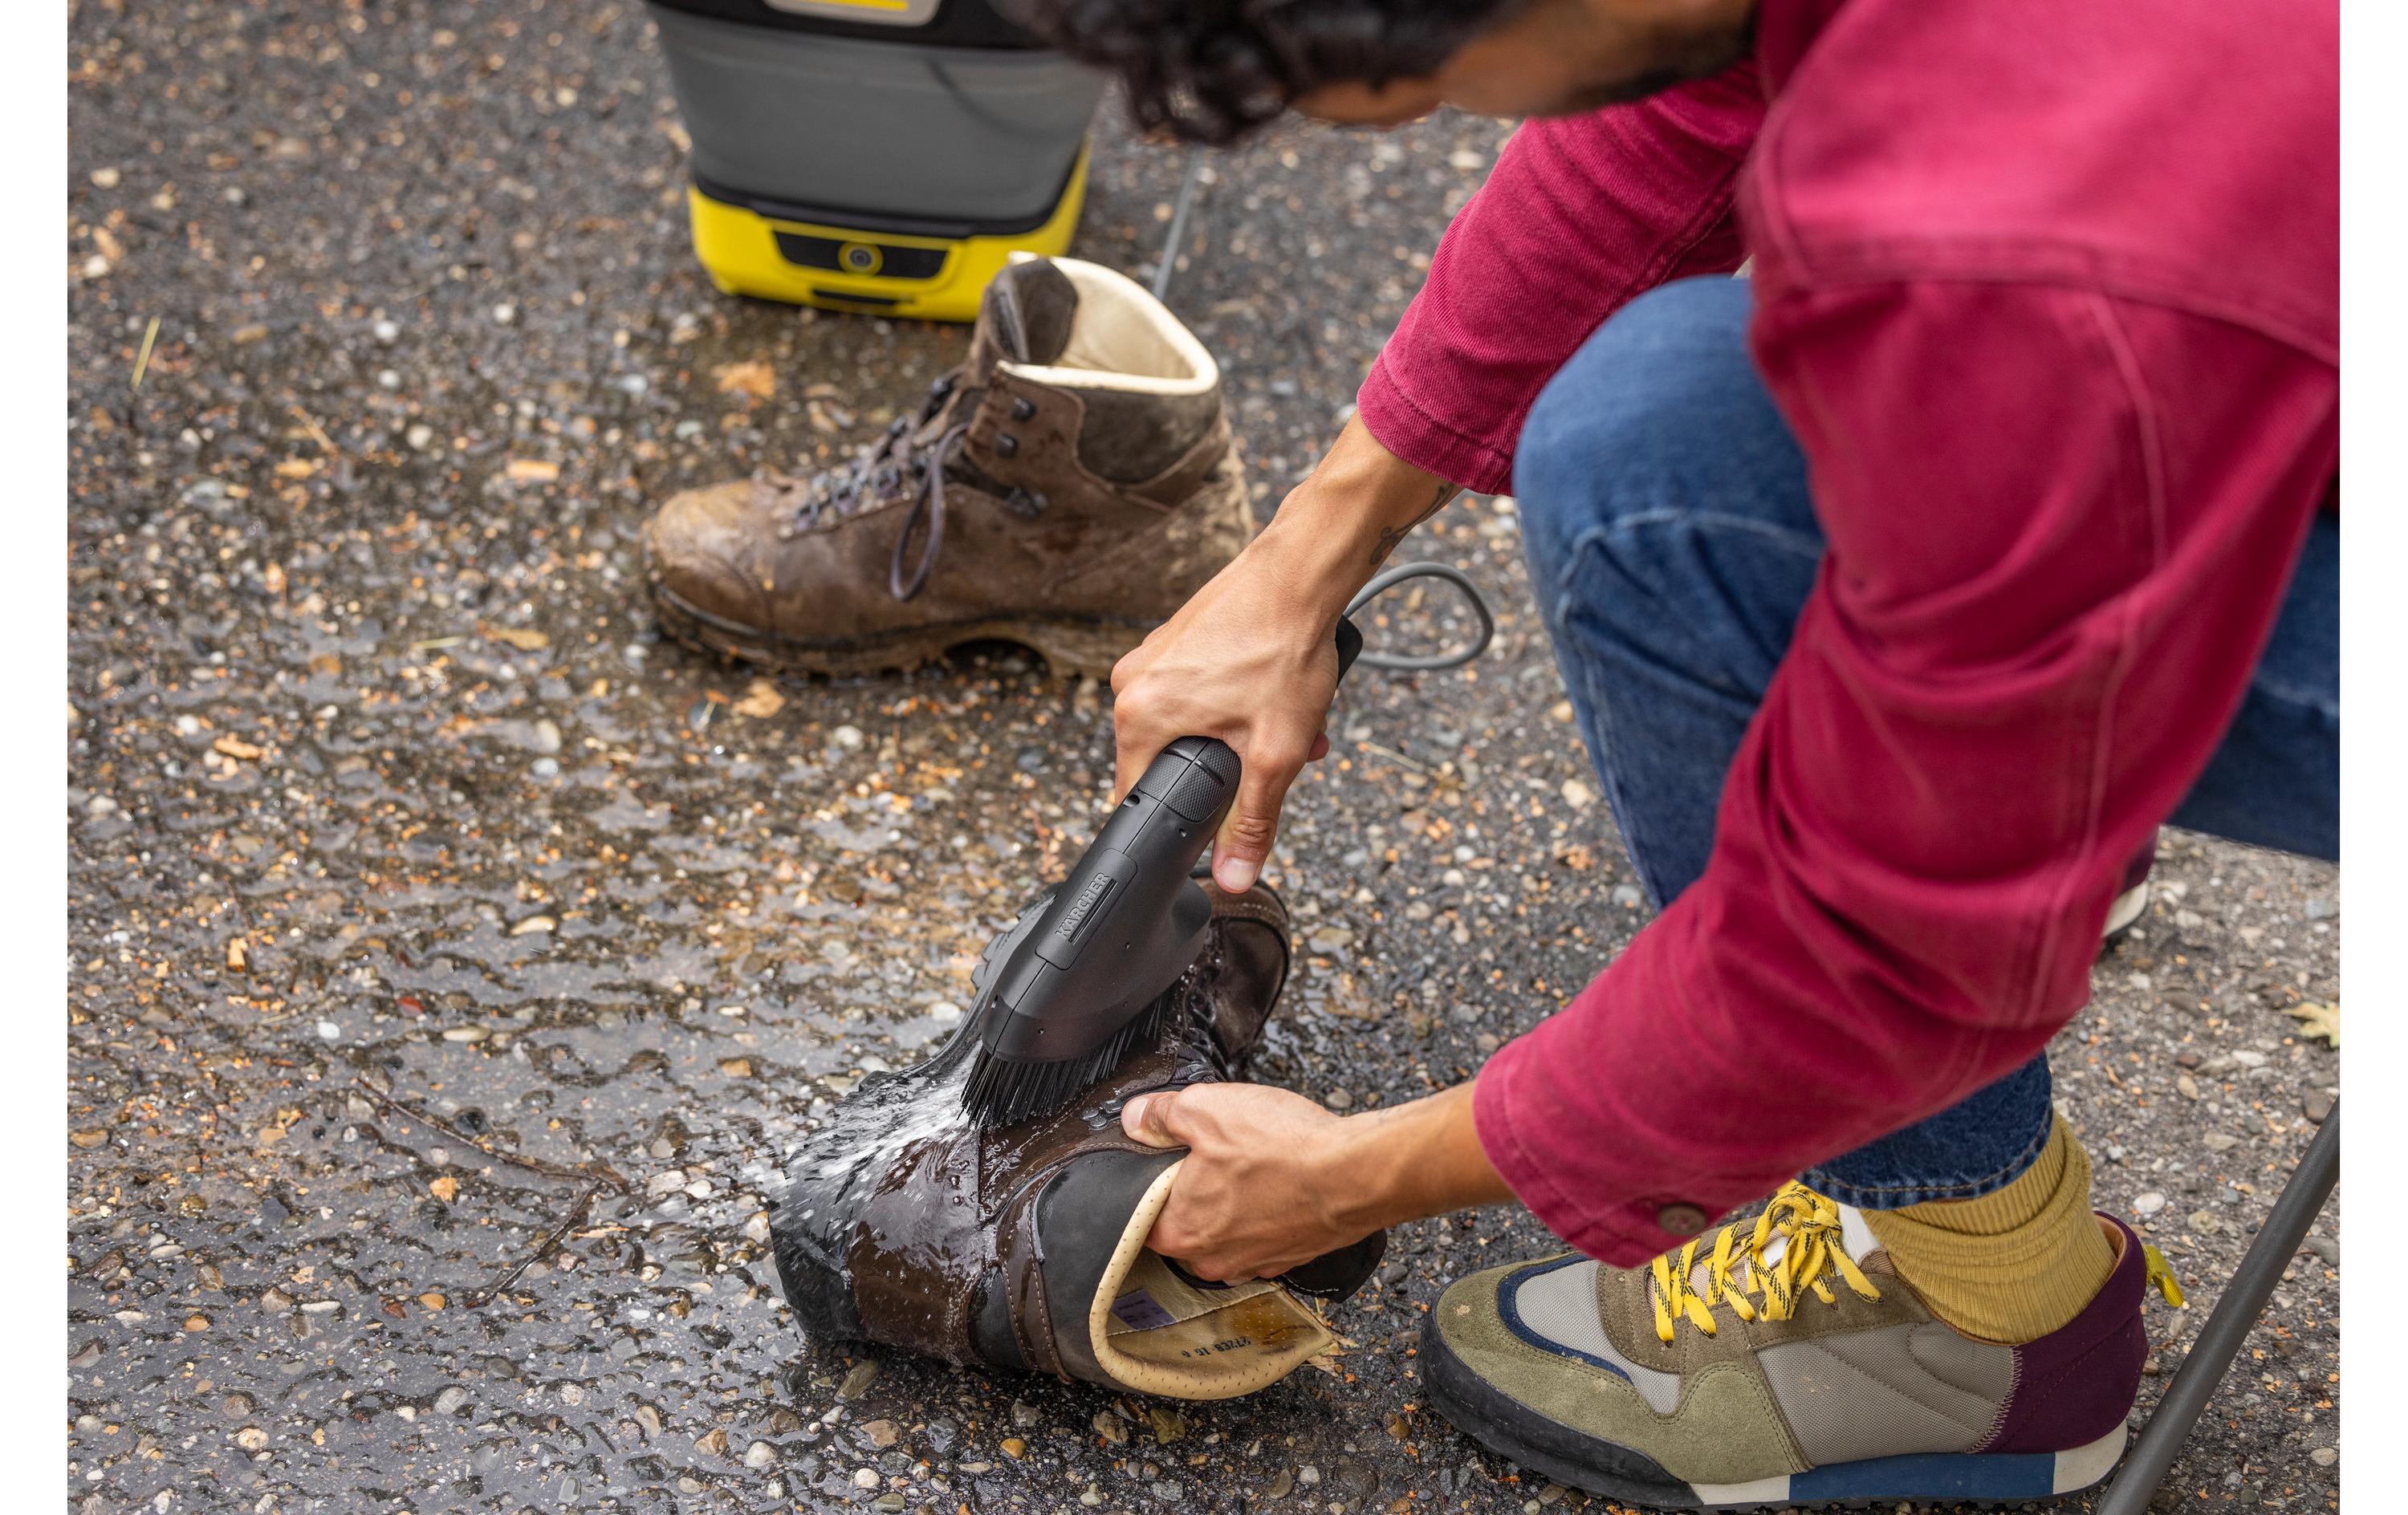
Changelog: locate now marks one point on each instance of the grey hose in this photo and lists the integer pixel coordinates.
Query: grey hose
(1410, 663)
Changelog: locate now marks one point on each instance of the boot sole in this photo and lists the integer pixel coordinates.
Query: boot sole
(1578, 1460)
(1067, 645)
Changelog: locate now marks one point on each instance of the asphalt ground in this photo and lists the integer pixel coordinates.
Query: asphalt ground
(453, 960)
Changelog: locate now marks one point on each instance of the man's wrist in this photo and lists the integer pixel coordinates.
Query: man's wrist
(1424, 1158)
(1334, 529)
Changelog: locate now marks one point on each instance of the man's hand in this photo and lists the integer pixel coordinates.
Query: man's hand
(1251, 658)
(1273, 1181)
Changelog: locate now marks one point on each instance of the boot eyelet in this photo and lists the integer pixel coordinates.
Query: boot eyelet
(1023, 408)
(1006, 445)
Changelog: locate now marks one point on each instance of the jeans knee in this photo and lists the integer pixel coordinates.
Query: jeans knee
(1650, 399)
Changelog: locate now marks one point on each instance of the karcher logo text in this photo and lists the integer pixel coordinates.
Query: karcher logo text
(1083, 907)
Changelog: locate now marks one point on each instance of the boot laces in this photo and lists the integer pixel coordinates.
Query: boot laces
(902, 462)
(1738, 1272)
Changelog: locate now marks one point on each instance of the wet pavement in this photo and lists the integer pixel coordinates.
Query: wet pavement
(454, 960)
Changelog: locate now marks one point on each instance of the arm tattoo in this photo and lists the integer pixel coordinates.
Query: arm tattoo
(1391, 536)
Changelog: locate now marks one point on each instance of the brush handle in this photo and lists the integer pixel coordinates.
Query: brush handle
(1198, 776)
(1127, 921)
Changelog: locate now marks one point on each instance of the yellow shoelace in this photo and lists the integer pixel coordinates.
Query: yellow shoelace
(1811, 1224)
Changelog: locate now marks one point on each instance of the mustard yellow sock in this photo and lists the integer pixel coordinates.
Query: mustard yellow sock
(2015, 1264)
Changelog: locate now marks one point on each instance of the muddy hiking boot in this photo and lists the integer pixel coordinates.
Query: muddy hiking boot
(1785, 1362)
(1023, 1247)
(1066, 487)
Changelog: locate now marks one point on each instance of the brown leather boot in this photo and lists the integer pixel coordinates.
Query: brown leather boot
(1067, 488)
(1023, 1247)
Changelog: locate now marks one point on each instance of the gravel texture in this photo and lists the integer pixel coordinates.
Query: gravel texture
(453, 960)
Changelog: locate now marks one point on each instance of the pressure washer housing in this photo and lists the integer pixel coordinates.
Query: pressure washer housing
(873, 155)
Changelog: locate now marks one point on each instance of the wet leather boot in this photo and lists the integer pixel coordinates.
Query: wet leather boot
(1023, 1247)
(1066, 487)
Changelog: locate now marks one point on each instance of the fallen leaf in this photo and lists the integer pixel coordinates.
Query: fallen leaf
(2317, 1019)
(532, 471)
(761, 700)
(525, 638)
(235, 746)
(752, 379)
(445, 1188)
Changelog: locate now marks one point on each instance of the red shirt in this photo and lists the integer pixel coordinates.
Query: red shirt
(2049, 293)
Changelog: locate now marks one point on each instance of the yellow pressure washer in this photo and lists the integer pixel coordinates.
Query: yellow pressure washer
(884, 156)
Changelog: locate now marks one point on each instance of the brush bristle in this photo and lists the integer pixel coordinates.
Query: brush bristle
(1004, 1092)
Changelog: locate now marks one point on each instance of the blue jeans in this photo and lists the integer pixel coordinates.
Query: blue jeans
(1672, 543)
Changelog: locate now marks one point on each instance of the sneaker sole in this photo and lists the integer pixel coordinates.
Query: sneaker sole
(1068, 646)
(1583, 1461)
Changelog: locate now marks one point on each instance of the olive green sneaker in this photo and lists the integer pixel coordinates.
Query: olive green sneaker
(1785, 1363)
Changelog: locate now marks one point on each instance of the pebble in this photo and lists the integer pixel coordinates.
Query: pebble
(2322, 908)
(761, 1454)
(329, 1031)
(387, 332)
(1627, 896)
(1338, 1099)
(2189, 1085)
(1577, 794)
(881, 1433)
(418, 436)
(505, 313)
(251, 1439)
(2205, 1223)
(2325, 1456)
(2148, 1204)
(2317, 1107)
(450, 1399)
(857, 1382)
(2219, 1142)
(848, 737)
(864, 1477)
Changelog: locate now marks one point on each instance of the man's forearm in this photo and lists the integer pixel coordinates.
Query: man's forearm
(1414, 1160)
(1336, 529)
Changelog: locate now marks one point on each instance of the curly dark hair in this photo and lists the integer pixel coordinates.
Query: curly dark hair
(1215, 70)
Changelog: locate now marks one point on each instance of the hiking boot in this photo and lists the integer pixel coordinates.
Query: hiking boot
(1066, 487)
(1023, 1247)
(1785, 1365)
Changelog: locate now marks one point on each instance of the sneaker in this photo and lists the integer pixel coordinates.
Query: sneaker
(2132, 898)
(1784, 1364)
(1023, 1247)
(1066, 487)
